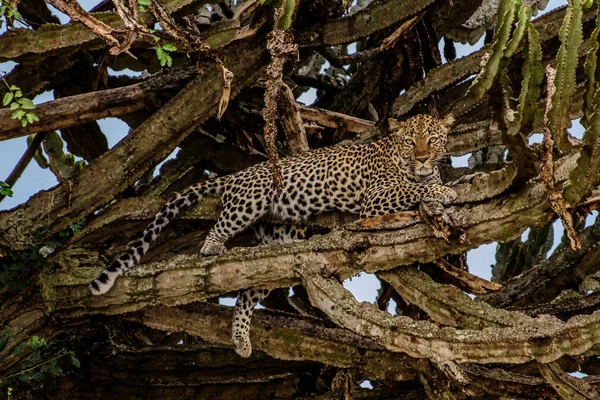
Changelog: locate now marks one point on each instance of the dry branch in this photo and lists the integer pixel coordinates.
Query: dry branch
(376, 17)
(70, 111)
(285, 337)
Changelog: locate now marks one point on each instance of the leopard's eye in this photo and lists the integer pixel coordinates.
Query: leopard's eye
(409, 142)
(434, 140)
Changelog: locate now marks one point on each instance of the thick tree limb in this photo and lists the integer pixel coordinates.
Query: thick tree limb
(446, 304)
(24, 44)
(285, 337)
(424, 339)
(188, 278)
(376, 17)
(75, 110)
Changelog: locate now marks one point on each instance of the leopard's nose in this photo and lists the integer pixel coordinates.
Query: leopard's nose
(422, 159)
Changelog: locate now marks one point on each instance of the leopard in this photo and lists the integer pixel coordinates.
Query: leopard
(392, 174)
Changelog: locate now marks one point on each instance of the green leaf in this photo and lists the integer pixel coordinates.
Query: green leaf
(145, 2)
(14, 105)
(7, 98)
(14, 14)
(37, 376)
(160, 53)
(169, 47)
(143, 9)
(169, 61)
(54, 368)
(6, 192)
(75, 361)
(18, 93)
(26, 103)
(3, 339)
(34, 117)
(35, 356)
(24, 377)
(23, 122)
(18, 114)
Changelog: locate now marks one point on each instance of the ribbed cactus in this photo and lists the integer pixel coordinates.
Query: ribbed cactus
(513, 45)
(566, 62)
(587, 173)
(502, 30)
(515, 257)
(533, 75)
(592, 75)
(286, 19)
(289, 8)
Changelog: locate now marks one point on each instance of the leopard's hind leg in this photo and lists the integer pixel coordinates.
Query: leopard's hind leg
(242, 206)
(249, 298)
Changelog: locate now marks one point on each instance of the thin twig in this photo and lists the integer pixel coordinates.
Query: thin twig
(24, 161)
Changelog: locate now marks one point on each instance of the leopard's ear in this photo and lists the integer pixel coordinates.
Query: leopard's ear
(448, 120)
(395, 125)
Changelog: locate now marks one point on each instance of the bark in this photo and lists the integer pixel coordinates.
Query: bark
(158, 333)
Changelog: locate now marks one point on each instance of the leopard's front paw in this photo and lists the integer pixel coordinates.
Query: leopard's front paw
(446, 195)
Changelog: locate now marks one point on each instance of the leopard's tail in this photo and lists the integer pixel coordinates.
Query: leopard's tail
(168, 212)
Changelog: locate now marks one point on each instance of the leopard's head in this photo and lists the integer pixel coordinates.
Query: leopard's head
(421, 140)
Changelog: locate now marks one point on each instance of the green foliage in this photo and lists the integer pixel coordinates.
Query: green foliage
(587, 172)
(74, 228)
(504, 23)
(22, 264)
(533, 75)
(515, 257)
(162, 52)
(571, 37)
(41, 368)
(11, 14)
(143, 5)
(19, 105)
(4, 336)
(34, 343)
(5, 189)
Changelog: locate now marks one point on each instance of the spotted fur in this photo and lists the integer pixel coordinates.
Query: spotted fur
(249, 299)
(392, 174)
